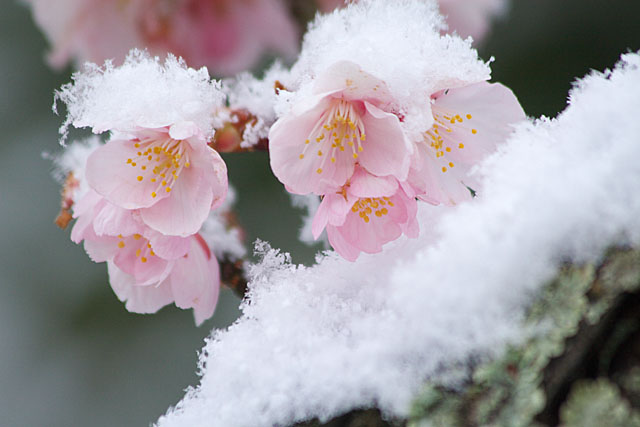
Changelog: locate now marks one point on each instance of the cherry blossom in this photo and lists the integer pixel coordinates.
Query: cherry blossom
(169, 174)
(146, 268)
(344, 122)
(192, 282)
(365, 214)
(469, 123)
(225, 35)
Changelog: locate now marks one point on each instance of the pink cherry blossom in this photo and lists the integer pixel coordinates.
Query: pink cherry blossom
(147, 268)
(345, 122)
(169, 174)
(192, 282)
(225, 35)
(469, 123)
(365, 214)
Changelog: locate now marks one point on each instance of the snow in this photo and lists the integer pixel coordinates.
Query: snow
(143, 92)
(318, 341)
(258, 96)
(398, 42)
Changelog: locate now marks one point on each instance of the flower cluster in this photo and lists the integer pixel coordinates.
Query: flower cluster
(370, 123)
(141, 199)
(346, 138)
(149, 195)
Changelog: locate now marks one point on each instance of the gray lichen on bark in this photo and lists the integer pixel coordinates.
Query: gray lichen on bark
(580, 365)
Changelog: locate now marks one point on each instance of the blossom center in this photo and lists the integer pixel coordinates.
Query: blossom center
(372, 205)
(338, 132)
(439, 137)
(143, 252)
(160, 161)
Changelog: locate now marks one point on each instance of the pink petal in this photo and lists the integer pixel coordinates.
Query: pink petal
(287, 142)
(363, 184)
(386, 150)
(183, 213)
(332, 210)
(195, 282)
(493, 109)
(168, 247)
(139, 299)
(109, 174)
(112, 220)
(341, 245)
(148, 271)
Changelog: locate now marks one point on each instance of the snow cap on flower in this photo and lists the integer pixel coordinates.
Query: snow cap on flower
(170, 174)
(365, 214)
(225, 35)
(469, 123)
(143, 92)
(316, 147)
(399, 43)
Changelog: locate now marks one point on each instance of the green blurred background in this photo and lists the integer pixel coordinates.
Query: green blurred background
(70, 354)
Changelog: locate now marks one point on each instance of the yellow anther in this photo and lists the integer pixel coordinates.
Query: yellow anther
(448, 149)
(319, 152)
(301, 156)
(152, 253)
(333, 160)
(186, 165)
(153, 194)
(137, 236)
(461, 145)
(444, 169)
(153, 180)
(366, 219)
(450, 164)
(474, 131)
(363, 137)
(306, 141)
(164, 183)
(136, 145)
(139, 177)
(143, 259)
(168, 189)
(384, 211)
(129, 161)
(378, 214)
(144, 168)
(138, 252)
(133, 164)
(469, 116)
(355, 155)
(319, 170)
(121, 244)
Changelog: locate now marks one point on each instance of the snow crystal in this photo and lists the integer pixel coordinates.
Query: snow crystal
(318, 341)
(258, 97)
(309, 204)
(143, 92)
(396, 41)
(74, 160)
(218, 231)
